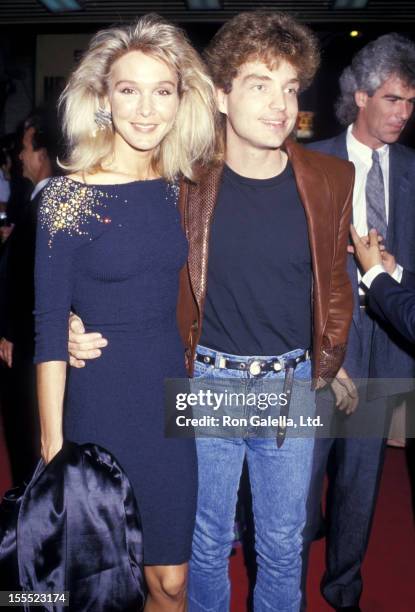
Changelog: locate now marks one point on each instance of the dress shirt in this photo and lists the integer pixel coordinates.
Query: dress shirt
(371, 274)
(374, 271)
(361, 156)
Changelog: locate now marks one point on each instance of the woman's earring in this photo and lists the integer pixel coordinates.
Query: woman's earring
(103, 118)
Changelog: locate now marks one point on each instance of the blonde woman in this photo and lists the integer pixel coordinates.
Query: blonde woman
(138, 112)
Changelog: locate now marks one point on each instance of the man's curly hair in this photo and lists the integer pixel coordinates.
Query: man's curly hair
(265, 36)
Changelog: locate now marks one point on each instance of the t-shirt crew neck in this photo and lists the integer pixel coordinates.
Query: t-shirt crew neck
(258, 183)
(258, 298)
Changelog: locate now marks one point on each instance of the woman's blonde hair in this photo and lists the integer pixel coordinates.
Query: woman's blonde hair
(191, 138)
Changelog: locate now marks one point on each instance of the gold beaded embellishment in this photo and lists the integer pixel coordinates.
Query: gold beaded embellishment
(173, 191)
(68, 205)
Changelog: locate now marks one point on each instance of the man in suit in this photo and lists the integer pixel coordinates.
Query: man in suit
(38, 154)
(376, 101)
(256, 225)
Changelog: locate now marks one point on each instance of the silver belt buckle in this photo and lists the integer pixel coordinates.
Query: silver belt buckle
(222, 362)
(277, 366)
(255, 368)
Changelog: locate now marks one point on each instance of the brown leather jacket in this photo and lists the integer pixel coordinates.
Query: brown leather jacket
(325, 185)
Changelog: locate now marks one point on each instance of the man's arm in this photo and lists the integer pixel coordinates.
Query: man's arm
(394, 303)
(340, 309)
(388, 299)
(337, 327)
(408, 279)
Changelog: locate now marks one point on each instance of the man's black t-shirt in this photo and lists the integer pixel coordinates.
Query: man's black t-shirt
(258, 298)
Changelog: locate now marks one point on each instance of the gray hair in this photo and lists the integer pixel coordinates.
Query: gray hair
(391, 54)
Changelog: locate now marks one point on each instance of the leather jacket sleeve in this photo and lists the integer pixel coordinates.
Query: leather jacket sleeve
(336, 330)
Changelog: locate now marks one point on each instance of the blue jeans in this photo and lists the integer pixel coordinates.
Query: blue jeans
(279, 479)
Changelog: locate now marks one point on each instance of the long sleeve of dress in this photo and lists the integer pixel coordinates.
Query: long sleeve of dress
(66, 217)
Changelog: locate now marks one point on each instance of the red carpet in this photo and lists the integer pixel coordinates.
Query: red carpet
(389, 569)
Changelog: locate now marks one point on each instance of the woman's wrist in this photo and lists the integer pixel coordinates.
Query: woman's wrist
(50, 447)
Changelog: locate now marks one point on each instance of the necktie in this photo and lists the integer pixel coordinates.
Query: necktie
(375, 197)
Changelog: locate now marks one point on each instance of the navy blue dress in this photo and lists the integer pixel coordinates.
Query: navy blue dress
(112, 254)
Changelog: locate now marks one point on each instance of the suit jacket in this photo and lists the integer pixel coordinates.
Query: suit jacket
(74, 528)
(390, 356)
(325, 186)
(395, 303)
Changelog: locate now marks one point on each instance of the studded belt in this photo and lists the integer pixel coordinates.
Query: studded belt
(253, 366)
(259, 366)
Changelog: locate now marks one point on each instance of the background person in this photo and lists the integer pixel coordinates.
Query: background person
(250, 300)
(39, 149)
(376, 101)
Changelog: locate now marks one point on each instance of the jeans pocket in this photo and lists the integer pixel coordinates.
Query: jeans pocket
(202, 369)
(303, 372)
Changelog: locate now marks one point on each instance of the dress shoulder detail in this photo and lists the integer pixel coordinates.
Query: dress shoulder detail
(69, 206)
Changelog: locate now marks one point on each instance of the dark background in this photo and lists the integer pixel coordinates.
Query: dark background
(21, 21)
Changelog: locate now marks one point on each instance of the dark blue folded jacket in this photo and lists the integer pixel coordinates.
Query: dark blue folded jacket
(74, 527)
